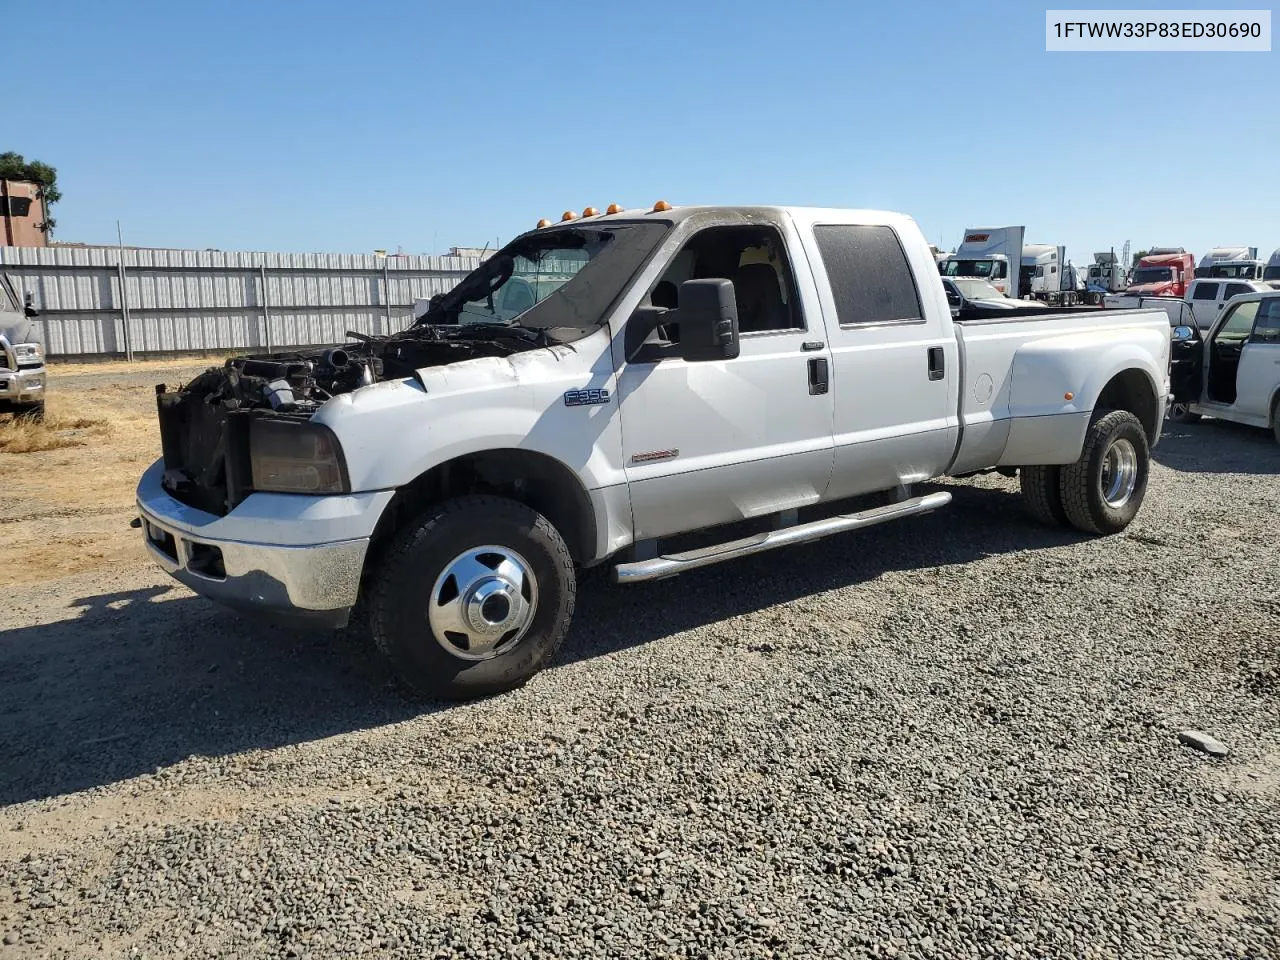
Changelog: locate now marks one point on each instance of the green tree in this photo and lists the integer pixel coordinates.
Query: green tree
(13, 166)
(1138, 256)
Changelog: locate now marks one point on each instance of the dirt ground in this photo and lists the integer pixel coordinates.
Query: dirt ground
(997, 701)
(66, 510)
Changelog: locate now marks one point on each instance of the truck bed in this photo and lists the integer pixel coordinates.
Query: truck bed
(1021, 383)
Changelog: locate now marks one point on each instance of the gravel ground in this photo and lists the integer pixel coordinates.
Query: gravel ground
(952, 737)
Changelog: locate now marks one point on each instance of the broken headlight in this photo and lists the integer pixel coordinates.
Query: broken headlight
(294, 456)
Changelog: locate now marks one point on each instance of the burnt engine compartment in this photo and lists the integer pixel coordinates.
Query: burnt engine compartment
(205, 424)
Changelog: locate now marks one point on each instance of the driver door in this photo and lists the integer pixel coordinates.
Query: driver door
(714, 442)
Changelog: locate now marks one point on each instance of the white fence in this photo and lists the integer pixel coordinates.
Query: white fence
(128, 302)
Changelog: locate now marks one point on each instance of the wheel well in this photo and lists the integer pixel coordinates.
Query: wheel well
(1131, 390)
(534, 479)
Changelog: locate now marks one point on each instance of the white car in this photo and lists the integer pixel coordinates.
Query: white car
(1233, 372)
(681, 371)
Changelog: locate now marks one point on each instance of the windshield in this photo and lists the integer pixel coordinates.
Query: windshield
(977, 289)
(534, 276)
(1271, 273)
(1151, 275)
(1244, 270)
(974, 268)
(557, 277)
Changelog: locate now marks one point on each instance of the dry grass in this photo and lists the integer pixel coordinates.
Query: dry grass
(61, 427)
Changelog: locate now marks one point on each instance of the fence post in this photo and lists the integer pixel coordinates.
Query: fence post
(386, 293)
(266, 314)
(124, 310)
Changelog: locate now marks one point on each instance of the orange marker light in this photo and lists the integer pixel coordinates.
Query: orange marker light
(614, 208)
(590, 212)
(660, 206)
(544, 222)
(569, 215)
(1068, 395)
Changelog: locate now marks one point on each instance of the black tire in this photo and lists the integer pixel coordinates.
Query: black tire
(1083, 481)
(1178, 413)
(1042, 494)
(402, 590)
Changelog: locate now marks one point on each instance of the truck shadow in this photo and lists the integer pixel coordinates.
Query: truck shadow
(1217, 446)
(142, 679)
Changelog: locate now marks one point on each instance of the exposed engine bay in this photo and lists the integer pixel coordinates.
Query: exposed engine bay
(208, 426)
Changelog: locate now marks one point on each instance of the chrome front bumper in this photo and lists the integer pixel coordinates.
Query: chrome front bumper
(314, 584)
(22, 386)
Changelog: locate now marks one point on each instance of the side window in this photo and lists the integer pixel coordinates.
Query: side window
(1205, 291)
(1234, 290)
(870, 277)
(755, 259)
(1266, 326)
(1239, 322)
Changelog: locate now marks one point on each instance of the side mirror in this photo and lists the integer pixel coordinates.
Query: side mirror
(1183, 333)
(28, 305)
(708, 318)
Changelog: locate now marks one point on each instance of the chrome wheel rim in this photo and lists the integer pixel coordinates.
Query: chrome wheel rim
(1119, 474)
(483, 603)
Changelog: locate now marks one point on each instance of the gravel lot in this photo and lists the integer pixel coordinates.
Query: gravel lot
(951, 737)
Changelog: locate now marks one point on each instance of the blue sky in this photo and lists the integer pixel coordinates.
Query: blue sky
(349, 127)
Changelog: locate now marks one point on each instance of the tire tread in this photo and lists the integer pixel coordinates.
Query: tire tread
(1077, 478)
(1041, 492)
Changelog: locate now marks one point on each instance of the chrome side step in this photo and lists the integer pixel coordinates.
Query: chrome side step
(676, 563)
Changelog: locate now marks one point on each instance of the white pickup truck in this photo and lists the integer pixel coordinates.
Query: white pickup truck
(752, 375)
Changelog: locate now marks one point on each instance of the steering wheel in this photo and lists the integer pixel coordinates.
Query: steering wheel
(506, 266)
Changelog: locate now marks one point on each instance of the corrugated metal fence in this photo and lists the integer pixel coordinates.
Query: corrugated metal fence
(127, 302)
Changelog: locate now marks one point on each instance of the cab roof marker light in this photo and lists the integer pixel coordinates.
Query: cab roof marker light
(590, 212)
(544, 222)
(661, 206)
(614, 208)
(568, 215)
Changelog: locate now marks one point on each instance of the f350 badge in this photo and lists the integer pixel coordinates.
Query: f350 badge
(585, 397)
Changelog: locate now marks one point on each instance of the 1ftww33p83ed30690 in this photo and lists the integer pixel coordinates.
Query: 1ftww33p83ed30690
(606, 385)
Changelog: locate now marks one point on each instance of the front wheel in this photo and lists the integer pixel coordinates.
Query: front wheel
(1103, 490)
(473, 598)
(1180, 412)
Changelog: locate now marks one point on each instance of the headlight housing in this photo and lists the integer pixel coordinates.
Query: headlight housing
(28, 352)
(296, 456)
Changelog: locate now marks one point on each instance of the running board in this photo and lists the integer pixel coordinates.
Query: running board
(676, 563)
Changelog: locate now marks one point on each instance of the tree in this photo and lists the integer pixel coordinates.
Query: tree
(1138, 256)
(13, 166)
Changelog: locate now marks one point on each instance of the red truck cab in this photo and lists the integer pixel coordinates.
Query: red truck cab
(1162, 275)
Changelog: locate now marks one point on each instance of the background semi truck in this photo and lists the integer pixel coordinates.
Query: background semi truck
(1236, 263)
(22, 370)
(988, 253)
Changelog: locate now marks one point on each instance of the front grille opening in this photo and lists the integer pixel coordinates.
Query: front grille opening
(206, 561)
(163, 541)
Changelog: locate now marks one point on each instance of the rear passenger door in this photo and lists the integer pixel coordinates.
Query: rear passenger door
(894, 355)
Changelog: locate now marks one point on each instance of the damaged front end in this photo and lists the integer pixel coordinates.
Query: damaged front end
(247, 426)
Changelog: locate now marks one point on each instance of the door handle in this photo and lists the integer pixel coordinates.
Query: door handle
(818, 377)
(937, 363)
(812, 345)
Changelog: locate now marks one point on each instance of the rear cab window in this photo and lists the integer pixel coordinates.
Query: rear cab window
(1205, 291)
(871, 279)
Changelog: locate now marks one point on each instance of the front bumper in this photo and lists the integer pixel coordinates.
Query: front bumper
(22, 386)
(310, 579)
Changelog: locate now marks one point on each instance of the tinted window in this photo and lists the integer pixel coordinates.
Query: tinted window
(1235, 289)
(870, 277)
(1266, 328)
(1205, 291)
